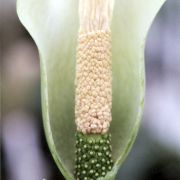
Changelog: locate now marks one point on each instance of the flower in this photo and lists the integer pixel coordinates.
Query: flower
(54, 26)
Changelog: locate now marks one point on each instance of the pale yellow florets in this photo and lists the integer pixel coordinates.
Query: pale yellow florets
(93, 82)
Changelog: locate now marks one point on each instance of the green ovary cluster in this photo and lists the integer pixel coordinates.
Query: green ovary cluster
(93, 156)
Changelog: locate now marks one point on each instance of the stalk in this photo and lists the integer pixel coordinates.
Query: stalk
(93, 95)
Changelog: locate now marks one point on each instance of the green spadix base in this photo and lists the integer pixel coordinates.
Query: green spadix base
(93, 156)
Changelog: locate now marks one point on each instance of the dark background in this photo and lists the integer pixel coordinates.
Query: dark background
(24, 151)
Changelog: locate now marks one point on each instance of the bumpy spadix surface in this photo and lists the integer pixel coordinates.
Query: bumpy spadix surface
(93, 156)
(93, 82)
(53, 24)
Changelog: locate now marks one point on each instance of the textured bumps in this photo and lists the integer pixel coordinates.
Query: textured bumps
(93, 156)
(93, 82)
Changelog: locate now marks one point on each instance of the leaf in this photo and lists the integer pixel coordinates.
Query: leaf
(53, 24)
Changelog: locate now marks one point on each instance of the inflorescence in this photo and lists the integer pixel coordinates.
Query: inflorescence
(93, 90)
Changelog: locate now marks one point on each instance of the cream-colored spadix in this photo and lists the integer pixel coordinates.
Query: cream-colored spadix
(93, 96)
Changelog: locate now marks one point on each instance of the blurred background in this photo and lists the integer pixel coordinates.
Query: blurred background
(24, 151)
